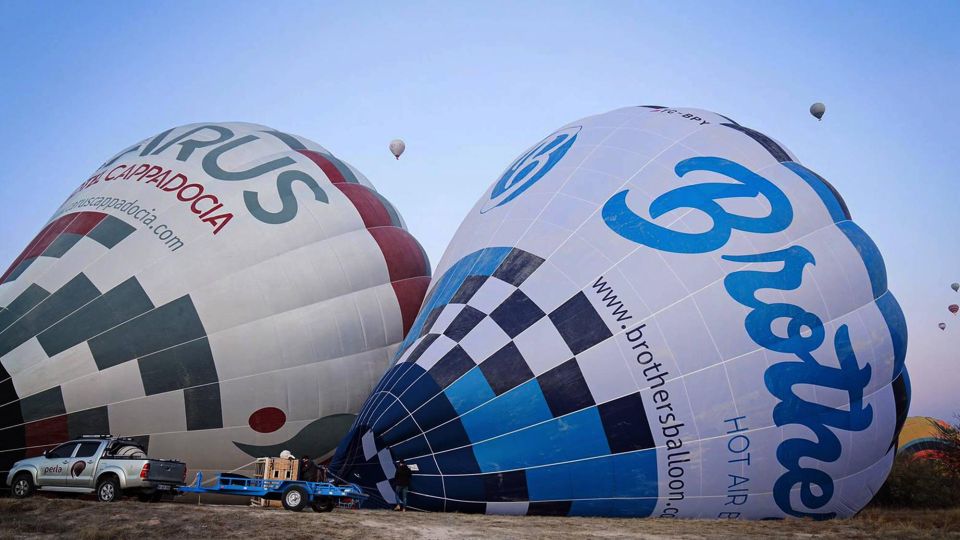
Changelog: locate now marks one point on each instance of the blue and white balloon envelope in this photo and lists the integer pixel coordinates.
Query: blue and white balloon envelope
(652, 312)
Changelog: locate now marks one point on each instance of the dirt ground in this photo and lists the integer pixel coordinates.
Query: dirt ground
(42, 517)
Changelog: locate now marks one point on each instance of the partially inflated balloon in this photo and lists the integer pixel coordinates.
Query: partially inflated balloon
(223, 291)
(922, 438)
(652, 312)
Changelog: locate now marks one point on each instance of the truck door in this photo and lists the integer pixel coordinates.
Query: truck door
(53, 469)
(84, 464)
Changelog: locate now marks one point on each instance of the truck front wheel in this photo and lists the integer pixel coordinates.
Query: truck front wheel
(295, 498)
(108, 489)
(23, 486)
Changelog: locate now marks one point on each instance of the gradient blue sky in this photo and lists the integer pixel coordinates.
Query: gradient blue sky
(469, 85)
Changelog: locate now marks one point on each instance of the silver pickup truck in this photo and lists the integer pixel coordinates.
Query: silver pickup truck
(110, 466)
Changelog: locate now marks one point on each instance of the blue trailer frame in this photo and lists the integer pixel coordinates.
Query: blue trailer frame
(294, 494)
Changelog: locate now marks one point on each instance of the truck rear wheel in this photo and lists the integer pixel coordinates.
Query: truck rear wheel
(322, 504)
(22, 486)
(295, 498)
(108, 489)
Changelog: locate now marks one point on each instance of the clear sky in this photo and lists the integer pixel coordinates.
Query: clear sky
(469, 85)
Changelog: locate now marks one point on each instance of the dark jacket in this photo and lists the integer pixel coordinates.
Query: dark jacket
(402, 478)
(309, 471)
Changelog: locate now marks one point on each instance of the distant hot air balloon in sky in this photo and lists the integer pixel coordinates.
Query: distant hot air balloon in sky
(943, 326)
(955, 286)
(817, 110)
(954, 308)
(397, 146)
(223, 291)
(639, 301)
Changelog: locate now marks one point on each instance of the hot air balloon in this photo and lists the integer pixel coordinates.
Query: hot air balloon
(943, 326)
(954, 308)
(921, 438)
(955, 286)
(817, 110)
(625, 325)
(221, 291)
(397, 146)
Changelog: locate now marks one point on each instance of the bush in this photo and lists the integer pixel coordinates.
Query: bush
(930, 482)
(919, 483)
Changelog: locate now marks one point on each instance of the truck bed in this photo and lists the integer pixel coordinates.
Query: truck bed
(161, 470)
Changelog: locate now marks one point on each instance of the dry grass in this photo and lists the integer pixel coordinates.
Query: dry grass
(42, 517)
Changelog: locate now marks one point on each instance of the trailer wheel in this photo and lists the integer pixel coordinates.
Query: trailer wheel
(322, 504)
(295, 498)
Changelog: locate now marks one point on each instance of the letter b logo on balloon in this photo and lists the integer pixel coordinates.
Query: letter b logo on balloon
(703, 197)
(531, 167)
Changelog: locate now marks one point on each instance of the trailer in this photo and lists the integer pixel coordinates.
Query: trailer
(294, 494)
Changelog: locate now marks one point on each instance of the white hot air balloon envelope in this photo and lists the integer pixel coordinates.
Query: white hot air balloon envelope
(223, 291)
(651, 312)
(397, 146)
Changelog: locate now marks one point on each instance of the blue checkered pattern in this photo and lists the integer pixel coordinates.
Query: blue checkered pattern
(464, 405)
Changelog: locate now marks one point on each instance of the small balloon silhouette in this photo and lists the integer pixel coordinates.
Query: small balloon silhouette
(397, 147)
(817, 110)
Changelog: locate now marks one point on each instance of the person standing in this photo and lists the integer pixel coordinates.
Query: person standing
(401, 482)
(308, 469)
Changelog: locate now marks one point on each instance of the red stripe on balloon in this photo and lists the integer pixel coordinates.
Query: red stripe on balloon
(78, 223)
(410, 293)
(371, 209)
(327, 166)
(44, 434)
(406, 263)
(408, 268)
(402, 253)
